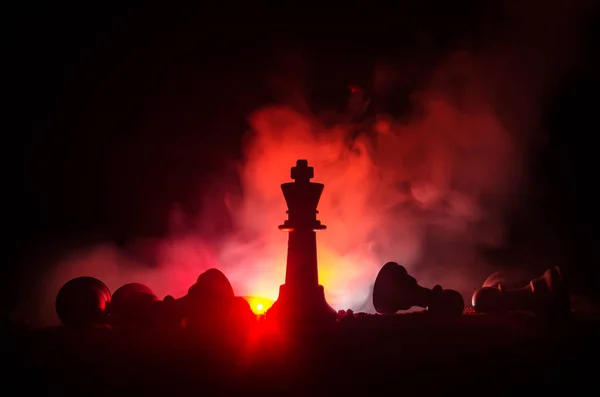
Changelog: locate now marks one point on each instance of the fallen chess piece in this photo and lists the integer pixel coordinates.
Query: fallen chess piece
(209, 303)
(133, 304)
(82, 302)
(545, 296)
(396, 290)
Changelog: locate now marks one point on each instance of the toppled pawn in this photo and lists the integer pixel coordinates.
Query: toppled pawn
(396, 290)
(545, 296)
(82, 302)
(133, 305)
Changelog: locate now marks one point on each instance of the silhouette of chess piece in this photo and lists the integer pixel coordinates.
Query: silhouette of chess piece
(240, 313)
(82, 302)
(133, 304)
(301, 299)
(208, 301)
(212, 284)
(545, 296)
(396, 290)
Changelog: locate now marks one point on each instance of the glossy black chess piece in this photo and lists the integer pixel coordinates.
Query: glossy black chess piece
(83, 302)
(133, 304)
(545, 296)
(395, 290)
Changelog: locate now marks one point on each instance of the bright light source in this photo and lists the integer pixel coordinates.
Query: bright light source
(259, 305)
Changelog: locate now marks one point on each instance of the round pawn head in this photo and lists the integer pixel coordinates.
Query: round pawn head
(393, 289)
(132, 293)
(446, 303)
(488, 300)
(82, 302)
(131, 304)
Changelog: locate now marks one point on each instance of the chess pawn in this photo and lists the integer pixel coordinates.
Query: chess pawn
(132, 304)
(396, 290)
(82, 302)
(544, 296)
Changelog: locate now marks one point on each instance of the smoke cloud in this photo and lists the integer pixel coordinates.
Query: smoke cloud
(427, 190)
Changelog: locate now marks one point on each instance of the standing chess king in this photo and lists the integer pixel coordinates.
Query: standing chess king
(301, 298)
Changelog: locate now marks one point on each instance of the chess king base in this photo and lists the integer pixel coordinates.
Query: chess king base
(298, 307)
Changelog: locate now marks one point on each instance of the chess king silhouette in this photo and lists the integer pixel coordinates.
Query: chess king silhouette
(301, 299)
(84, 301)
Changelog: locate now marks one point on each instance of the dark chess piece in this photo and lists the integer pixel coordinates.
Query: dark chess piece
(396, 290)
(211, 284)
(207, 301)
(241, 312)
(545, 296)
(133, 304)
(301, 300)
(82, 302)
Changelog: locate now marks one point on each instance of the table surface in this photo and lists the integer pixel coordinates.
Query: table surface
(411, 353)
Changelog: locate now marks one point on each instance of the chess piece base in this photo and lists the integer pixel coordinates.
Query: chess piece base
(306, 307)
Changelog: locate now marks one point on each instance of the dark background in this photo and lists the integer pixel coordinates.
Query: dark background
(116, 113)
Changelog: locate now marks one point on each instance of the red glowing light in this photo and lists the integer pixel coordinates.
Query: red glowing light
(259, 305)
